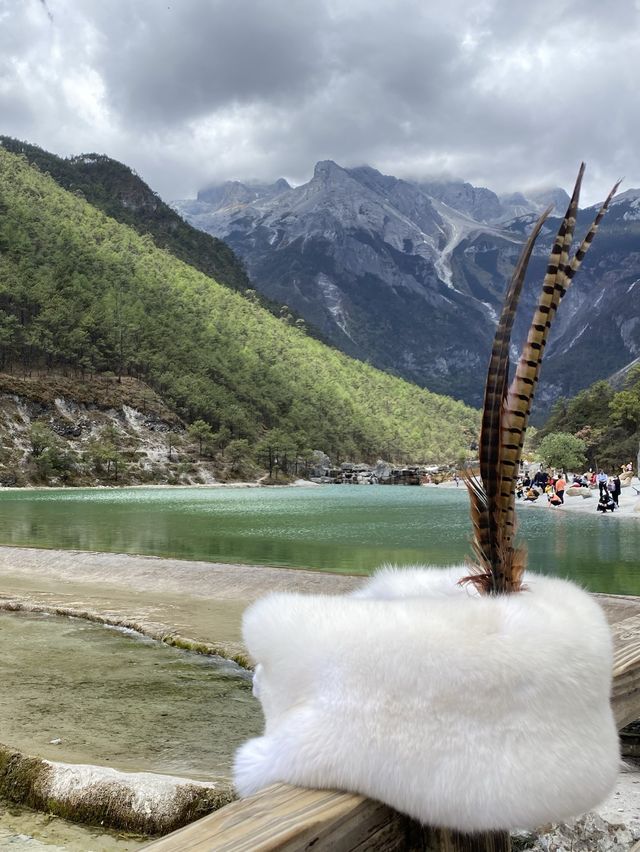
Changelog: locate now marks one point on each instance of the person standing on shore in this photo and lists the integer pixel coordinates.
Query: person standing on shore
(616, 488)
(540, 479)
(561, 484)
(602, 482)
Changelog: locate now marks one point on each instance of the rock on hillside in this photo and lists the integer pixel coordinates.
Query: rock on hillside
(57, 430)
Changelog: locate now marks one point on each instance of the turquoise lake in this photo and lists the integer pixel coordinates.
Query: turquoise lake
(348, 529)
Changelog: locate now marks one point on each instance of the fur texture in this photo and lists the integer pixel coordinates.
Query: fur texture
(463, 711)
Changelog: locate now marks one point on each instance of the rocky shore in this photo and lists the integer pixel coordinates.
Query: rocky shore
(629, 503)
(140, 802)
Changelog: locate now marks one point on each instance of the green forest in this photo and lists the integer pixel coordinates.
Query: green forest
(119, 192)
(605, 420)
(81, 292)
(116, 190)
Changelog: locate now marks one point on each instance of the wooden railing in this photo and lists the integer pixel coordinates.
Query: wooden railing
(292, 819)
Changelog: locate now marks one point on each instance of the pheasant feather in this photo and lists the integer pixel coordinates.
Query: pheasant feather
(485, 495)
(499, 564)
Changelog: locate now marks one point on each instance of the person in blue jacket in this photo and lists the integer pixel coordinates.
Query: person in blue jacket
(602, 481)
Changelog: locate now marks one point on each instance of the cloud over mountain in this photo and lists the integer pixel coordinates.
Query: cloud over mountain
(501, 94)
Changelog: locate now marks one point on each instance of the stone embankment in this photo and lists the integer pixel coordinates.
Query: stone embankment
(93, 431)
(142, 802)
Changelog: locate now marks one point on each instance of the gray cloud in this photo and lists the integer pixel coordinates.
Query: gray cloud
(507, 95)
(168, 64)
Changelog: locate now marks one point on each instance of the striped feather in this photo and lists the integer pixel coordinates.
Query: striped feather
(563, 280)
(499, 564)
(517, 406)
(485, 496)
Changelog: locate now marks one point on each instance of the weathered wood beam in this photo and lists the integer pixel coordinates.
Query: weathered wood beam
(626, 671)
(452, 841)
(292, 818)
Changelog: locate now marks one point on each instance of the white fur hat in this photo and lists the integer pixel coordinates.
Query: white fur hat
(464, 711)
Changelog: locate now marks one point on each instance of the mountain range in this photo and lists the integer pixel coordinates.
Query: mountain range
(410, 276)
(84, 295)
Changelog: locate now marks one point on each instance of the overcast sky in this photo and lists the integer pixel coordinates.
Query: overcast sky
(507, 94)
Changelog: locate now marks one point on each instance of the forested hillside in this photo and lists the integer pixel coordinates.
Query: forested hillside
(606, 420)
(116, 190)
(119, 192)
(81, 291)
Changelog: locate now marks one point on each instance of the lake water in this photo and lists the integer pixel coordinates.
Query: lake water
(348, 529)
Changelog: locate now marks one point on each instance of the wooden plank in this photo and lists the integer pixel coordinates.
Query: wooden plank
(290, 818)
(625, 695)
(452, 841)
(626, 698)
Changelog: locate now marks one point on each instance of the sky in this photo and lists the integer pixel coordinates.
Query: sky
(508, 94)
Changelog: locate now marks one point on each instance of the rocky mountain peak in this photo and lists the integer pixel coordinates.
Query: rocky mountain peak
(632, 194)
(326, 171)
(479, 203)
(233, 193)
(411, 275)
(557, 197)
(281, 185)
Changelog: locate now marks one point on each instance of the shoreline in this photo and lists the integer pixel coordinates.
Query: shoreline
(190, 604)
(177, 600)
(629, 503)
(629, 499)
(298, 483)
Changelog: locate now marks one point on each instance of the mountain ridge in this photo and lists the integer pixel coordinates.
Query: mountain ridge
(402, 278)
(119, 192)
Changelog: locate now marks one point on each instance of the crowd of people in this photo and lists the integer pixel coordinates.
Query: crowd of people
(553, 486)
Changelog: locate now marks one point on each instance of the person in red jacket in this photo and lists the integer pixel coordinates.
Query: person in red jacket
(561, 484)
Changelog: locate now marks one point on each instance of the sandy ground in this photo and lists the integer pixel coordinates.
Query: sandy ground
(200, 600)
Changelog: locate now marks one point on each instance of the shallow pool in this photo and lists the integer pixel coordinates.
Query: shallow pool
(117, 699)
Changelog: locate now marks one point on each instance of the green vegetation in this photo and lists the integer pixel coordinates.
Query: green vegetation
(605, 420)
(563, 451)
(120, 193)
(106, 452)
(202, 433)
(82, 293)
